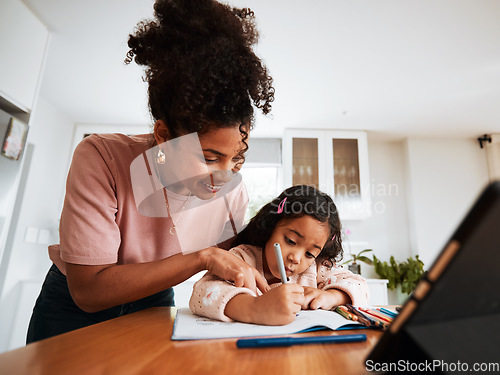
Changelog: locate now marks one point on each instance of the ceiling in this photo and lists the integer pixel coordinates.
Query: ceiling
(426, 68)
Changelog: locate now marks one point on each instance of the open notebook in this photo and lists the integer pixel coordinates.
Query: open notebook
(189, 326)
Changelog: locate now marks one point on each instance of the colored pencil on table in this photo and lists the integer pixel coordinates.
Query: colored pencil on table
(375, 321)
(366, 320)
(376, 315)
(361, 318)
(388, 312)
(346, 310)
(342, 312)
(382, 315)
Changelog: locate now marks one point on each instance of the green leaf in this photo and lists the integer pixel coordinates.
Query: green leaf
(367, 260)
(347, 261)
(364, 251)
(354, 257)
(407, 273)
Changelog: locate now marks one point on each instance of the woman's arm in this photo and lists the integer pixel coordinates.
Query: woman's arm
(226, 244)
(96, 288)
(88, 226)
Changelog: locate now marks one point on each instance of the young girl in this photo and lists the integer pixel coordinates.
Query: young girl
(122, 246)
(306, 224)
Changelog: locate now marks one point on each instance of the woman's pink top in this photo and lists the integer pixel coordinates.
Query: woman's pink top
(101, 223)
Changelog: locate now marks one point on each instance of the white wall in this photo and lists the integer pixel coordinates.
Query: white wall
(445, 177)
(386, 231)
(51, 135)
(421, 190)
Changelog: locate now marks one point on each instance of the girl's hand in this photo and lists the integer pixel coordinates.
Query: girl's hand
(276, 307)
(231, 268)
(323, 299)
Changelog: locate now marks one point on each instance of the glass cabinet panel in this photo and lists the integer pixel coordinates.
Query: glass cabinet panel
(334, 161)
(346, 169)
(305, 162)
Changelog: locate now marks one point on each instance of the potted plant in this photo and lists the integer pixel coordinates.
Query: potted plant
(405, 274)
(353, 266)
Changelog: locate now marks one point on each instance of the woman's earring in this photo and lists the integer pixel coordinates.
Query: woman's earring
(160, 156)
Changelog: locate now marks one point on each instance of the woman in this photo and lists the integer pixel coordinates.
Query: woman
(144, 213)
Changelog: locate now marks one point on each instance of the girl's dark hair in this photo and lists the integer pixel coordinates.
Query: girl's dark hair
(300, 200)
(201, 69)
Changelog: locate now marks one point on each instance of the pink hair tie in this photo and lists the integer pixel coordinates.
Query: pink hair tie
(280, 206)
(333, 237)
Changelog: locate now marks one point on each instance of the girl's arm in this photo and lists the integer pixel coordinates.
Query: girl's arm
(217, 299)
(341, 280)
(276, 307)
(96, 288)
(324, 299)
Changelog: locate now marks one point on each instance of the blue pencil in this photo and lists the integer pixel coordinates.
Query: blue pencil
(289, 341)
(388, 312)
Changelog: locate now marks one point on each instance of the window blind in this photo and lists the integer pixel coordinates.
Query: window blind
(263, 152)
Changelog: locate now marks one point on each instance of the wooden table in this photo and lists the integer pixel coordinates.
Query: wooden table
(140, 343)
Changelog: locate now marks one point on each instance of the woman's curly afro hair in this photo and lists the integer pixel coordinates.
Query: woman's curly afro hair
(201, 68)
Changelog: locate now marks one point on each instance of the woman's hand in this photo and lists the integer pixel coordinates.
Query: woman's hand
(231, 268)
(279, 306)
(323, 299)
(95, 288)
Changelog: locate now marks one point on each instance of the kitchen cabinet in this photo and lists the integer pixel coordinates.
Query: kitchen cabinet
(334, 161)
(23, 44)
